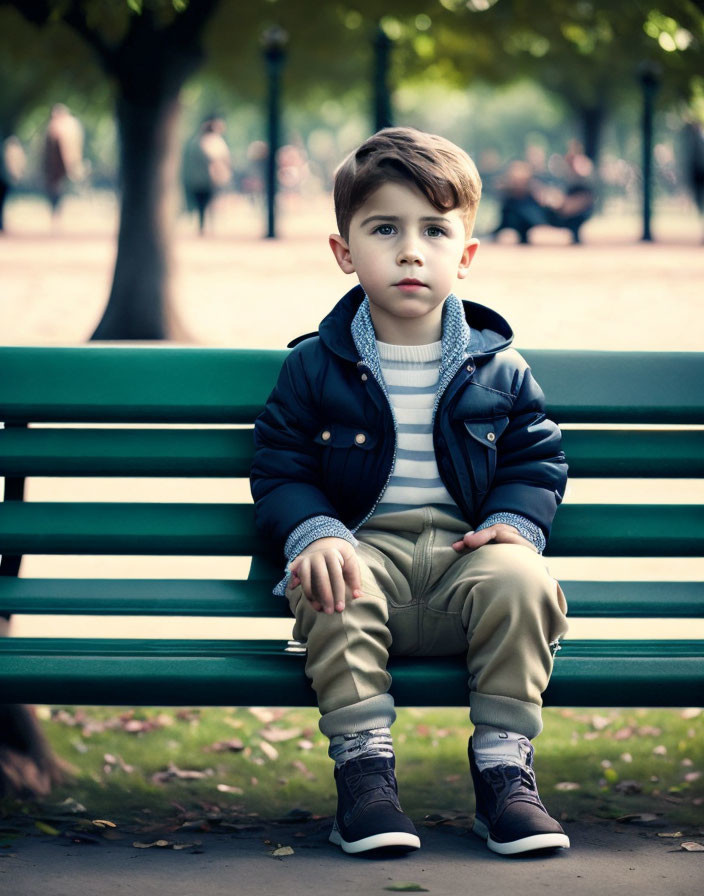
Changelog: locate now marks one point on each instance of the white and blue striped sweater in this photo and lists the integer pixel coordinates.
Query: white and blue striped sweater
(411, 374)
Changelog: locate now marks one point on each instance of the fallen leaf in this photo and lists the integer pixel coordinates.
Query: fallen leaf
(226, 788)
(277, 735)
(178, 846)
(691, 713)
(46, 828)
(567, 785)
(675, 835)
(70, 805)
(159, 843)
(406, 886)
(234, 745)
(264, 714)
(660, 750)
(692, 846)
(102, 823)
(690, 777)
(172, 772)
(283, 851)
(623, 733)
(639, 818)
(303, 769)
(600, 722)
(305, 744)
(269, 751)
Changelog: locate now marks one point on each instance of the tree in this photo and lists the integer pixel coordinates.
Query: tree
(147, 50)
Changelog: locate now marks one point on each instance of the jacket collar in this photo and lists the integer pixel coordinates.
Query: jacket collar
(348, 331)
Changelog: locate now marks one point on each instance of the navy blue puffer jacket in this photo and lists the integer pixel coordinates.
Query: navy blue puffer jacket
(325, 443)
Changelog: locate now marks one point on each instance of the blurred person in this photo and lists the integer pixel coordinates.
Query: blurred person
(13, 162)
(520, 207)
(291, 168)
(62, 158)
(255, 176)
(559, 194)
(207, 166)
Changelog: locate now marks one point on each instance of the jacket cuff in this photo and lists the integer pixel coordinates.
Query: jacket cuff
(527, 528)
(311, 530)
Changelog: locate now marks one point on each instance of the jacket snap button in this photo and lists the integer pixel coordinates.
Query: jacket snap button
(490, 436)
(364, 377)
(325, 435)
(360, 438)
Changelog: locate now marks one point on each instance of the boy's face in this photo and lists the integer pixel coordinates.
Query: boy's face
(407, 256)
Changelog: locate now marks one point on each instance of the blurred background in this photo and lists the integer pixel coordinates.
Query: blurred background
(167, 167)
(143, 121)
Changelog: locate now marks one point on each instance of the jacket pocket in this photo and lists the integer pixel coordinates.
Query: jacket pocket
(481, 449)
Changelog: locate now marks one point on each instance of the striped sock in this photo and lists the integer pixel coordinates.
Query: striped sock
(374, 742)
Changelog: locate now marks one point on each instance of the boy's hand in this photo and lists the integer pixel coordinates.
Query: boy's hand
(324, 570)
(501, 533)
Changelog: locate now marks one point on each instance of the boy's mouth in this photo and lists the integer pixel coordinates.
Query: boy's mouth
(410, 281)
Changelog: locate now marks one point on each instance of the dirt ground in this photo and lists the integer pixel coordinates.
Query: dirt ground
(234, 288)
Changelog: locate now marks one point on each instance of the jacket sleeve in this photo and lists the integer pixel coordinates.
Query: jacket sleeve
(531, 470)
(284, 476)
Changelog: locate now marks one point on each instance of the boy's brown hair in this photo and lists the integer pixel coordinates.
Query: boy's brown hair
(443, 172)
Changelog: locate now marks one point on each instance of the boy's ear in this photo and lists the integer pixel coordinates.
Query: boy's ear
(341, 251)
(470, 250)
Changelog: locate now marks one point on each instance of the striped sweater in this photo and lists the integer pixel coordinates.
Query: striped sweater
(411, 375)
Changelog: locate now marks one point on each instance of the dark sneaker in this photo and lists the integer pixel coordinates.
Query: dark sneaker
(510, 816)
(368, 812)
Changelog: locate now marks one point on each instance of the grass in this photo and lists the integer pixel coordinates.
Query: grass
(152, 766)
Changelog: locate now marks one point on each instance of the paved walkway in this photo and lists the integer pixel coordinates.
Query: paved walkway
(605, 859)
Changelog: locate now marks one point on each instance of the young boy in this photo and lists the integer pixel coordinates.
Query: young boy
(405, 464)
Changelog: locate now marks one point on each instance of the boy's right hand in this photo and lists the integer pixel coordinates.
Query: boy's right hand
(324, 570)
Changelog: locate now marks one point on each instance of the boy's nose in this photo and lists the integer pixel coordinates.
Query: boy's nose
(410, 254)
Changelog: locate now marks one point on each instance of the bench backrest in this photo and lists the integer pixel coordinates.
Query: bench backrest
(618, 401)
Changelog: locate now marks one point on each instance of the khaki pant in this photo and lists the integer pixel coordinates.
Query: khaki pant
(498, 604)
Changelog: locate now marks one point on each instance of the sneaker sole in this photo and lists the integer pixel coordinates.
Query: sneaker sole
(398, 839)
(525, 844)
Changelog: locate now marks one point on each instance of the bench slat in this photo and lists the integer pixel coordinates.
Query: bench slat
(634, 453)
(190, 385)
(126, 452)
(581, 530)
(230, 673)
(131, 384)
(195, 597)
(228, 452)
(143, 597)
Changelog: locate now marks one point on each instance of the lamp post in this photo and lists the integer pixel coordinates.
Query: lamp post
(274, 41)
(382, 97)
(649, 77)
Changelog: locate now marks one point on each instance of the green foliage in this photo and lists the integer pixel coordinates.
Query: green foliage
(593, 764)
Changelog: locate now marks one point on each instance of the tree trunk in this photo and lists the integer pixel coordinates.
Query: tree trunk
(139, 306)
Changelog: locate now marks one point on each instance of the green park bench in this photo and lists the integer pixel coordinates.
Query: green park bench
(640, 415)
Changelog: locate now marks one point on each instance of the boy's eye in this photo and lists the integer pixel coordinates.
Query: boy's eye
(384, 229)
(434, 230)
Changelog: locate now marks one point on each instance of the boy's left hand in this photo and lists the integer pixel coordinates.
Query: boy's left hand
(501, 533)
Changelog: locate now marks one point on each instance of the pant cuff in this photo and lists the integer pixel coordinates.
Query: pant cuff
(507, 713)
(374, 712)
